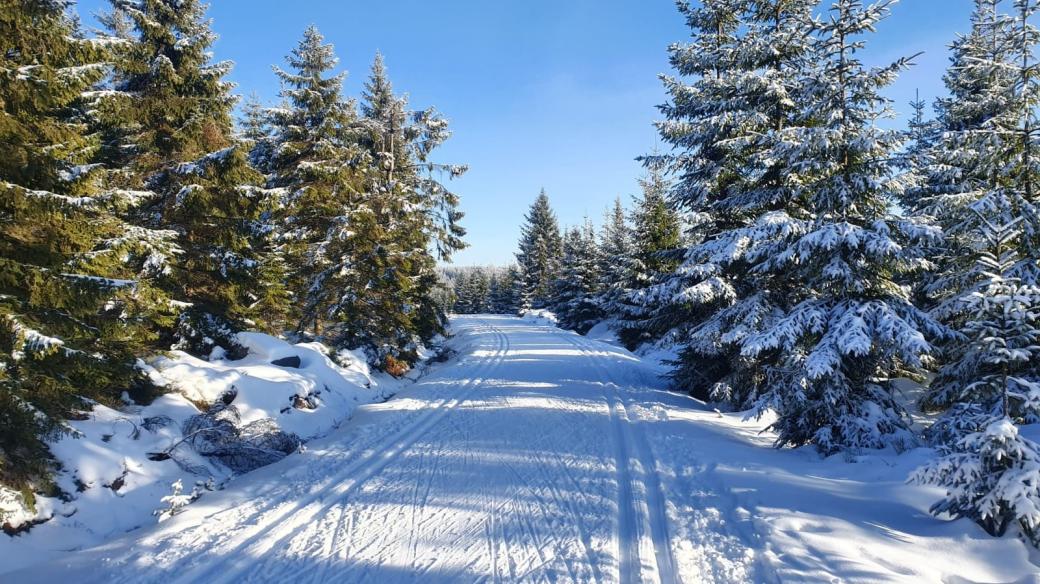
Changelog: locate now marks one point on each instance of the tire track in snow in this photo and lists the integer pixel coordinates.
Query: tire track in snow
(273, 530)
(640, 495)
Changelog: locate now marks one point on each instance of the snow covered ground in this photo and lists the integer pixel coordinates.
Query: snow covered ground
(109, 465)
(540, 455)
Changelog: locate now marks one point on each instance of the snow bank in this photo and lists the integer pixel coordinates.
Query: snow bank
(539, 316)
(308, 395)
(742, 509)
(117, 465)
(603, 331)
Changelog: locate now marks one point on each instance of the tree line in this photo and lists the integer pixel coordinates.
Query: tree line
(582, 274)
(137, 215)
(826, 259)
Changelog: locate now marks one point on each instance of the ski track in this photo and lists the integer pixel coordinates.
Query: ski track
(525, 460)
(642, 512)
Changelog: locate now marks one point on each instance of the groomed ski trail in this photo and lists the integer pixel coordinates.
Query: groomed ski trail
(522, 460)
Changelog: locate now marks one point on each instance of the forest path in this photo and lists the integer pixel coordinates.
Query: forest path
(524, 459)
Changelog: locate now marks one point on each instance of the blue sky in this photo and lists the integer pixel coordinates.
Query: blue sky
(557, 94)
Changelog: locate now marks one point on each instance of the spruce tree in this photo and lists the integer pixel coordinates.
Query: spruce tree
(983, 173)
(460, 284)
(70, 326)
(921, 136)
(616, 257)
(992, 474)
(847, 327)
(577, 285)
(315, 172)
(256, 129)
(480, 283)
(959, 178)
(655, 246)
(541, 249)
(509, 285)
(407, 220)
(735, 128)
(174, 122)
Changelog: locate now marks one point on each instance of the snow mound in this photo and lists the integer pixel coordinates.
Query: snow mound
(539, 316)
(117, 465)
(307, 400)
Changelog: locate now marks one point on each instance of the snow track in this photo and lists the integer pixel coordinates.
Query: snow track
(642, 523)
(275, 529)
(522, 461)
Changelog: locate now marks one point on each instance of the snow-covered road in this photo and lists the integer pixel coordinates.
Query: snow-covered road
(522, 461)
(530, 457)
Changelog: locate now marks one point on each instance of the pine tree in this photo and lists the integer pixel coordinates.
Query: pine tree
(847, 328)
(616, 257)
(541, 249)
(656, 241)
(990, 472)
(70, 328)
(982, 174)
(174, 120)
(314, 166)
(576, 287)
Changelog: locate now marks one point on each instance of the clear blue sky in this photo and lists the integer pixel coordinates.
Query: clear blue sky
(540, 93)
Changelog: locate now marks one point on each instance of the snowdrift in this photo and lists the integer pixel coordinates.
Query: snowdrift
(116, 465)
(539, 316)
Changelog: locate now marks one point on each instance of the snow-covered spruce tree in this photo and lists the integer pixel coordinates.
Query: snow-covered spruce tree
(312, 167)
(407, 220)
(992, 474)
(654, 257)
(921, 136)
(173, 114)
(378, 252)
(847, 327)
(734, 128)
(615, 271)
(509, 284)
(500, 295)
(460, 287)
(474, 289)
(495, 299)
(465, 294)
(541, 248)
(69, 330)
(256, 129)
(480, 290)
(983, 171)
(504, 289)
(576, 287)
(960, 177)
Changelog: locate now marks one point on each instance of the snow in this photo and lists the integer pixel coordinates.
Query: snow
(268, 391)
(540, 455)
(106, 467)
(539, 316)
